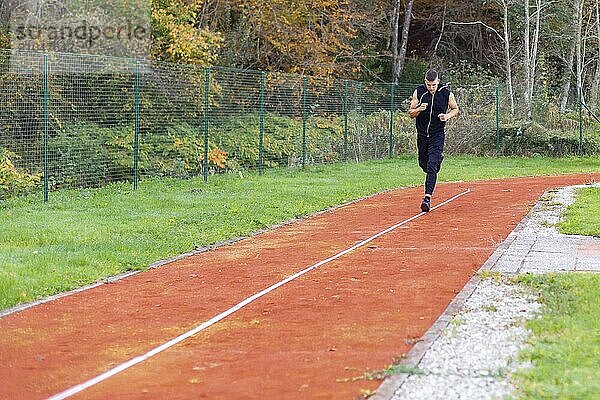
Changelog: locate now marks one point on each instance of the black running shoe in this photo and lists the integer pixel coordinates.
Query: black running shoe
(426, 204)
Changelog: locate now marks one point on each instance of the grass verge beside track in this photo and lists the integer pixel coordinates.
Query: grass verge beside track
(83, 235)
(583, 217)
(565, 343)
(566, 340)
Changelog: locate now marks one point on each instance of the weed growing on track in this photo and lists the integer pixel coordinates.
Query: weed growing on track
(81, 236)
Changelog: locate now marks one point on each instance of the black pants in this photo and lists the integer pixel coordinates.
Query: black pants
(431, 154)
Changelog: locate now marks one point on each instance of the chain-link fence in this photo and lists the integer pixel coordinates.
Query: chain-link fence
(71, 120)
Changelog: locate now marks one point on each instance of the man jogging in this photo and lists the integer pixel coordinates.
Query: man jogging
(432, 105)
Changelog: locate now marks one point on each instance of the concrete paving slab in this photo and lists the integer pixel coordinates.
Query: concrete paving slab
(538, 247)
(588, 264)
(509, 264)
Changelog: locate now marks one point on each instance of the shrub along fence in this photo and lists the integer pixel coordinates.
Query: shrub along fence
(70, 120)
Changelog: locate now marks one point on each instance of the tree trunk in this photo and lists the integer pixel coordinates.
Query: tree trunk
(578, 41)
(507, 56)
(405, 30)
(567, 85)
(6, 9)
(527, 70)
(200, 14)
(571, 71)
(441, 29)
(531, 52)
(394, 42)
(534, 51)
(595, 91)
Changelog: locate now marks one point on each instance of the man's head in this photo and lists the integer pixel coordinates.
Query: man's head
(432, 80)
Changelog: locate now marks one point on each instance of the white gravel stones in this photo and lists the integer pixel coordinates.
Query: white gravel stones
(478, 349)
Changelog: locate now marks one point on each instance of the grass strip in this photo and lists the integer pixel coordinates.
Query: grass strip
(583, 216)
(81, 236)
(565, 350)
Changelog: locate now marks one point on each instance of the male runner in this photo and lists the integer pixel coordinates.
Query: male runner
(431, 106)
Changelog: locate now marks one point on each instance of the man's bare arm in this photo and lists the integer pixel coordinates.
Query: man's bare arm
(453, 106)
(415, 108)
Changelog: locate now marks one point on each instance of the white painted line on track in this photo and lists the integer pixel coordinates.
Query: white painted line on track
(122, 367)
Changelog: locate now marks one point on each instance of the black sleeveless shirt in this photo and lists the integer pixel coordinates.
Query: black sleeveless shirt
(427, 121)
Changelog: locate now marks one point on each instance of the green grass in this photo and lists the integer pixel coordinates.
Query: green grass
(583, 217)
(566, 340)
(81, 236)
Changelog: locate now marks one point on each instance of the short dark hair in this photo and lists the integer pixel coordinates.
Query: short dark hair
(431, 75)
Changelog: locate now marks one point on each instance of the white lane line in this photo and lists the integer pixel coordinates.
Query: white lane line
(120, 368)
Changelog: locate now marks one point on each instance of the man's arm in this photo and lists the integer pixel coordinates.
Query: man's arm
(415, 109)
(453, 106)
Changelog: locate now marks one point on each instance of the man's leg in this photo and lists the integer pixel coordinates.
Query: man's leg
(434, 162)
(422, 151)
(423, 148)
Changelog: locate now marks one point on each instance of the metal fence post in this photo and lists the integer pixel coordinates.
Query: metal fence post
(580, 102)
(206, 109)
(262, 122)
(46, 105)
(304, 81)
(345, 120)
(390, 152)
(497, 120)
(136, 139)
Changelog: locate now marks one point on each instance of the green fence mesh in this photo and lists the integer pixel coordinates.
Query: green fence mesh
(21, 121)
(71, 120)
(91, 118)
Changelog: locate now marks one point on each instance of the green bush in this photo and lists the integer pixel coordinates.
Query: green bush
(239, 136)
(465, 71)
(530, 139)
(14, 181)
(86, 154)
(414, 70)
(282, 139)
(176, 153)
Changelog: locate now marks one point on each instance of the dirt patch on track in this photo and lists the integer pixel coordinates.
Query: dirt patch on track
(310, 339)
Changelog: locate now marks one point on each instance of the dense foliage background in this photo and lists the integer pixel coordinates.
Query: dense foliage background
(547, 46)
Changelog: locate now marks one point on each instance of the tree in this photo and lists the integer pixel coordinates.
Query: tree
(567, 77)
(4, 17)
(399, 57)
(177, 36)
(530, 57)
(578, 13)
(394, 41)
(505, 25)
(300, 36)
(595, 91)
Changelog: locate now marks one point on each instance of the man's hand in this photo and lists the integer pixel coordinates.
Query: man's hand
(444, 117)
(415, 107)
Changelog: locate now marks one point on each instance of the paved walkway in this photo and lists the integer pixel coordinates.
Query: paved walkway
(536, 246)
(473, 347)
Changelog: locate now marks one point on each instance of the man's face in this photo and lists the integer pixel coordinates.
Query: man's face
(432, 85)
